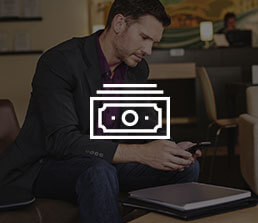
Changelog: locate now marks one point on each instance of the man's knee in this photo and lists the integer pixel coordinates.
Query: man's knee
(98, 174)
(193, 172)
(190, 174)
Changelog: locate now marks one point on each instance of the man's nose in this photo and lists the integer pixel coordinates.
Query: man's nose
(148, 49)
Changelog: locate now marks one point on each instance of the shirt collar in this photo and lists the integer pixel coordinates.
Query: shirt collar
(104, 66)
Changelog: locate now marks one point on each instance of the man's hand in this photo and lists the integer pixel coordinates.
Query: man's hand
(165, 155)
(186, 145)
(159, 154)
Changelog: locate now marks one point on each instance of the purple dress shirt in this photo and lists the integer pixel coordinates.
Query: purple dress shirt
(118, 78)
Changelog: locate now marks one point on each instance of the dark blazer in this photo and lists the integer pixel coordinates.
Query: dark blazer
(57, 121)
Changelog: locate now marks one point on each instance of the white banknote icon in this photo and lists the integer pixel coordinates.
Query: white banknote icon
(130, 107)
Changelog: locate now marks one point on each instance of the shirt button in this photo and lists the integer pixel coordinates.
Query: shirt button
(96, 154)
(109, 74)
(91, 152)
(101, 155)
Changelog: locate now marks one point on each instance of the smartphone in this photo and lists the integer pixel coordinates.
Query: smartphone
(199, 145)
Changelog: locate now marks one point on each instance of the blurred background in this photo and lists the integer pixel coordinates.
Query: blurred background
(220, 36)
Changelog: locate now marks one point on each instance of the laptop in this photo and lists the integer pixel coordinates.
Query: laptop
(239, 38)
(189, 196)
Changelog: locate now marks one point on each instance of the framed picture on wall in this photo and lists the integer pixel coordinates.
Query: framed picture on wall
(10, 8)
(98, 11)
(186, 16)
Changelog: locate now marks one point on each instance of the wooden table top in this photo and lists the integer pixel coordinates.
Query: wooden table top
(248, 215)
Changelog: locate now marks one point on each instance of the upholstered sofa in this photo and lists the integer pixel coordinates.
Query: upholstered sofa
(41, 210)
(248, 139)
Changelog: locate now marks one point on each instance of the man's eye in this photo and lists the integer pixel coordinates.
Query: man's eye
(144, 37)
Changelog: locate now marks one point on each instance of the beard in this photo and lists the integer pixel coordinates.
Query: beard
(130, 57)
(131, 61)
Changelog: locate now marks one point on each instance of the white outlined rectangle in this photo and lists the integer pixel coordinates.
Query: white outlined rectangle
(166, 99)
(130, 105)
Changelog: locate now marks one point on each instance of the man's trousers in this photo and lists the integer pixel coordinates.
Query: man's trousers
(94, 184)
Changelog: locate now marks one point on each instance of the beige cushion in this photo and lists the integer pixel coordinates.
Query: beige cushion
(248, 139)
(248, 142)
(252, 101)
(227, 122)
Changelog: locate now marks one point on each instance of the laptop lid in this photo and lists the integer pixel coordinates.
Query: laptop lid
(189, 196)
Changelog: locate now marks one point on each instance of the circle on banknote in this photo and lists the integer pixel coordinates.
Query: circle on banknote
(130, 112)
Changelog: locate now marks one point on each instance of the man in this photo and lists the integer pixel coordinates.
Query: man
(229, 23)
(53, 153)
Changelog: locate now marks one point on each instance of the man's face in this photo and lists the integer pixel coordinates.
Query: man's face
(136, 40)
(231, 23)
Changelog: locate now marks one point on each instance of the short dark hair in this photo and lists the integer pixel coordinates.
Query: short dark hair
(133, 9)
(228, 16)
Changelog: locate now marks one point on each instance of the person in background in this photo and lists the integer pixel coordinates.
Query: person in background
(229, 22)
(235, 37)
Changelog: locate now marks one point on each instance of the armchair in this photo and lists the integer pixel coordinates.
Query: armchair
(248, 140)
(41, 210)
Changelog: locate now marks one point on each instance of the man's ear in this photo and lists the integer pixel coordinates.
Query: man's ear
(119, 23)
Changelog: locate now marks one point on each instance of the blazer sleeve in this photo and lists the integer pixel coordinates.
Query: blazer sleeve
(53, 98)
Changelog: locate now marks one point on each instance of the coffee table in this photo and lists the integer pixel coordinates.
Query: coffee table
(248, 215)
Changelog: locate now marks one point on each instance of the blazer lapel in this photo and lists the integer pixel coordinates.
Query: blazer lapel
(92, 73)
